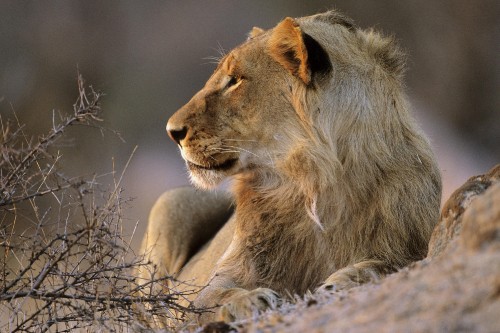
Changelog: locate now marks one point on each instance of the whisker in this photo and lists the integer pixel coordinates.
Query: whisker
(239, 140)
(242, 149)
(211, 60)
(208, 156)
(216, 59)
(224, 150)
(230, 151)
(227, 149)
(221, 50)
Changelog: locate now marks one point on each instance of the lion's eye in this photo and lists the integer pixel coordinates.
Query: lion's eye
(232, 81)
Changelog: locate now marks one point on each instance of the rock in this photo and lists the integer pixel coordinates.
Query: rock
(481, 221)
(450, 224)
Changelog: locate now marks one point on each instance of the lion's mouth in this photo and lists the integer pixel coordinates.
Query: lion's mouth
(214, 167)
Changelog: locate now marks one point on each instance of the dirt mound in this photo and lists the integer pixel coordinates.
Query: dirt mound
(455, 289)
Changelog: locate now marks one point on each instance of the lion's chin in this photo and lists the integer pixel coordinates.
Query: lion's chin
(208, 177)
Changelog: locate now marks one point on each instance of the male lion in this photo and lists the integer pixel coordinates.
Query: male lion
(333, 183)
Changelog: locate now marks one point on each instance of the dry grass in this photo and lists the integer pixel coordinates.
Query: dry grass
(65, 261)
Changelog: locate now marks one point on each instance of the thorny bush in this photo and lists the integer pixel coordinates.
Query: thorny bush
(69, 267)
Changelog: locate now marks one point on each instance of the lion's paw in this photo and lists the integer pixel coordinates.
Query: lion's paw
(337, 282)
(248, 302)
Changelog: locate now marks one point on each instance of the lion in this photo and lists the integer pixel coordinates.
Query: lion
(333, 184)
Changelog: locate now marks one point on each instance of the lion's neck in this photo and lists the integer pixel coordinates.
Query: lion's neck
(272, 198)
(269, 219)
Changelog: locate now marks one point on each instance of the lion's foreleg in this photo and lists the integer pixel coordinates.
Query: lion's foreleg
(181, 221)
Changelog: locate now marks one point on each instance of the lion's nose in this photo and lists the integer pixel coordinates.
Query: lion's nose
(177, 134)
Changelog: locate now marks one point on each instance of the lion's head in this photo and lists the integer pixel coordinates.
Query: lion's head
(308, 100)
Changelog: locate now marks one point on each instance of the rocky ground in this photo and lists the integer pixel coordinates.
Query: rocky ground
(455, 289)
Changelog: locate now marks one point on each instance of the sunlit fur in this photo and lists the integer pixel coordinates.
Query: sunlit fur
(334, 185)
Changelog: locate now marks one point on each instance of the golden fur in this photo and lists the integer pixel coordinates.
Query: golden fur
(333, 183)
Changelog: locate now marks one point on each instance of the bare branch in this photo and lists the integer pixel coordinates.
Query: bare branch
(68, 268)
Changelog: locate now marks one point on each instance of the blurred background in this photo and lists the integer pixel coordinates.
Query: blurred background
(150, 57)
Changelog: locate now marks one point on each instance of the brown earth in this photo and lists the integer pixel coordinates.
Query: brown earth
(455, 289)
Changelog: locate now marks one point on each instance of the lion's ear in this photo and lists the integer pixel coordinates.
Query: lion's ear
(287, 47)
(255, 32)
